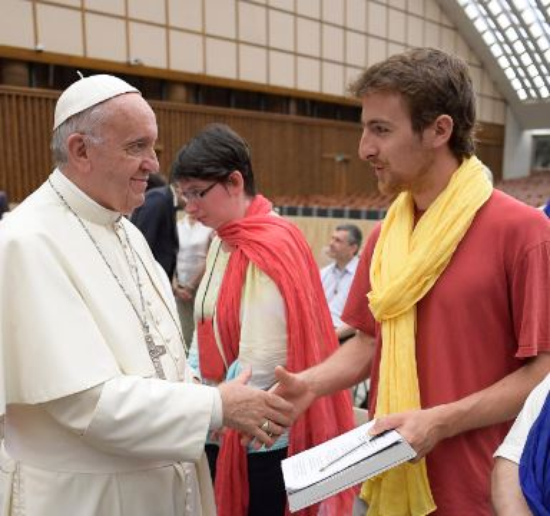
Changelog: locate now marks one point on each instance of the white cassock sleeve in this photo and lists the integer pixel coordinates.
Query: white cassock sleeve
(144, 418)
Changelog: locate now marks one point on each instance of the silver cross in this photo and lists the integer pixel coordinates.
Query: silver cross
(155, 352)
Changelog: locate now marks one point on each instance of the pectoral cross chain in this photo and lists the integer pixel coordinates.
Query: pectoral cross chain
(155, 352)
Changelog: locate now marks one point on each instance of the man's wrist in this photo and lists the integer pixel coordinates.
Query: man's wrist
(309, 377)
(446, 420)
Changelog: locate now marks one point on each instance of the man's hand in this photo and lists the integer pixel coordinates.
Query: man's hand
(294, 387)
(255, 413)
(422, 429)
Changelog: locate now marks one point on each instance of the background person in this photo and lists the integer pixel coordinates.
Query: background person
(156, 219)
(194, 241)
(337, 277)
(454, 332)
(155, 180)
(521, 478)
(100, 414)
(4, 204)
(260, 304)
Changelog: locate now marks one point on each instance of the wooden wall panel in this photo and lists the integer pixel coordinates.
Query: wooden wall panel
(291, 155)
(25, 128)
(490, 148)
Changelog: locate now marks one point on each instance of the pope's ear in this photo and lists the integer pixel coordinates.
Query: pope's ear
(77, 149)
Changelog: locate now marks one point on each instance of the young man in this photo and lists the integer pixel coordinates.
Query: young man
(336, 277)
(454, 332)
(101, 417)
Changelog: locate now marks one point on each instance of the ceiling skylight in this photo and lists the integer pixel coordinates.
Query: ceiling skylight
(518, 34)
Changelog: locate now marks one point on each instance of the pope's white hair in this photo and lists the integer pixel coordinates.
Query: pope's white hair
(88, 123)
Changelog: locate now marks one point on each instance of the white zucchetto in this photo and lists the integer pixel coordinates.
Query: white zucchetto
(88, 92)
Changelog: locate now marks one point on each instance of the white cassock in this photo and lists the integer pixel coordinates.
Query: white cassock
(90, 429)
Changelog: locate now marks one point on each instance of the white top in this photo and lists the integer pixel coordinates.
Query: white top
(263, 343)
(84, 408)
(513, 444)
(194, 241)
(336, 284)
(264, 339)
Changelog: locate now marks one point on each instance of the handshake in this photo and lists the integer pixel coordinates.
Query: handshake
(263, 416)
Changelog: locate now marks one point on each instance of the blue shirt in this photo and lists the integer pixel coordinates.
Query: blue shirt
(336, 284)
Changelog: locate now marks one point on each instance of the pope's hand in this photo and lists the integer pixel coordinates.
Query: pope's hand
(294, 388)
(253, 412)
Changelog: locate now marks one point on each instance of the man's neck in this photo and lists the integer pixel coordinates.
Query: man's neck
(342, 264)
(442, 171)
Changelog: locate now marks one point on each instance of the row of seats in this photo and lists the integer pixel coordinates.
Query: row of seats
(374, 201)
(533, 190)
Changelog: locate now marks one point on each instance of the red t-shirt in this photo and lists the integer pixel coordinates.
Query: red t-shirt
(489, 309)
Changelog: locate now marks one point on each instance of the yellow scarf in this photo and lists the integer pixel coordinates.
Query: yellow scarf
(406, 263)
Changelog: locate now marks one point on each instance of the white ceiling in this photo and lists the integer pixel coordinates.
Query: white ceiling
(512, 39)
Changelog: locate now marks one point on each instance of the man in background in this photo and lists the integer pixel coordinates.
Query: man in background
(156, 218)
(337, 277)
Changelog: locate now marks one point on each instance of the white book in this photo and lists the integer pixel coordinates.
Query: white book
(342, 462)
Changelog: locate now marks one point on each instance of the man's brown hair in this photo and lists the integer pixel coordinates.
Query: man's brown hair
(431, 83)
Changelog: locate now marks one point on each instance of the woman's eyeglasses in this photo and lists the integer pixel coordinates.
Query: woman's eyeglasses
(197, 195)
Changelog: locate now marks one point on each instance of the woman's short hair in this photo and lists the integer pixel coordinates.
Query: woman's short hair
(213, 155)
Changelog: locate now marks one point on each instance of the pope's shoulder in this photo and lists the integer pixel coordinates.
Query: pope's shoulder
(33, 216)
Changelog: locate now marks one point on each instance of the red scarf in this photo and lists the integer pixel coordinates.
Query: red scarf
(279, 249)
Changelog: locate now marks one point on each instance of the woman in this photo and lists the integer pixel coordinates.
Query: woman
(260, 304)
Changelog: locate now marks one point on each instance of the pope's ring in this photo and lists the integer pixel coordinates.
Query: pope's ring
(265, 426)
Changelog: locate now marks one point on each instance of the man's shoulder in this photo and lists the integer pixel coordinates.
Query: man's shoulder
(505, 214)
(352, 264)
(156, 202)
(327, 268)
(164, 190)
(502, 204)
(160, 194)
(32, 231)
